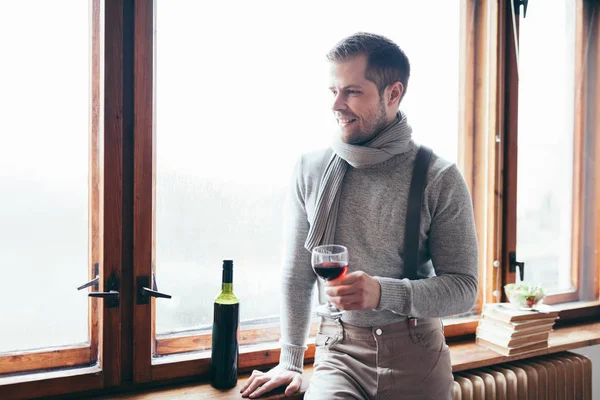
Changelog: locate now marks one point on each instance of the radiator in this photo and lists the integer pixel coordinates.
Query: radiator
(558, 376)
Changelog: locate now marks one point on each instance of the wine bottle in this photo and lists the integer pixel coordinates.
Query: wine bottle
(225, 347)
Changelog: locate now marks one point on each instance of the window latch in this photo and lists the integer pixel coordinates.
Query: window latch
(94, 282)
(111, 297)
(144, 292)
(513, 264)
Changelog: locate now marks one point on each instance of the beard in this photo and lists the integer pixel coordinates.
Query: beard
(373, 124)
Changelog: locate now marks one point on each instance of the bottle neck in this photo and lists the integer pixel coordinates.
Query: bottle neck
(227, 286)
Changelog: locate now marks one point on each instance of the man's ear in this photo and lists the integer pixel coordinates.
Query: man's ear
(395, 91)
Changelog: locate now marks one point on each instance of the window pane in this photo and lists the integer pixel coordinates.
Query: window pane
(545, 161)
(44, 138)
(241, 91)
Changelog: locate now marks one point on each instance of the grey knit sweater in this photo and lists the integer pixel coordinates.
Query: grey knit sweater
(370, 224)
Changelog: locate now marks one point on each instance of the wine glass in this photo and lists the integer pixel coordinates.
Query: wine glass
(329, 262)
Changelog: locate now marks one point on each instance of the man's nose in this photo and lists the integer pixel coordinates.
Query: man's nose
(338, 103)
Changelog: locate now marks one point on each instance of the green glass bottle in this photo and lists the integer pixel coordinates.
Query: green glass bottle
(225, 346)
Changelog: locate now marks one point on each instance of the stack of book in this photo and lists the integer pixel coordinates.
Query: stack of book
(511, 331)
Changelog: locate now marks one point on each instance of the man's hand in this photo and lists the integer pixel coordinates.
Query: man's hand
(260, 383)
(354, 291)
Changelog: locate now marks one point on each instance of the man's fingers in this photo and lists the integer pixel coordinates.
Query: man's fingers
(354, 302)
(258, 381)
(340, 290)
(253, 376)
(267, 387)
(248, 383)
(294, 386)
(342, 302)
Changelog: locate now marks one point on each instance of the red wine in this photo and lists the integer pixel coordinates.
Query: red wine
(225, 346)
(331, 270)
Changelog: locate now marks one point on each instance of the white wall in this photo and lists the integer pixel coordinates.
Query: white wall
(593, 353)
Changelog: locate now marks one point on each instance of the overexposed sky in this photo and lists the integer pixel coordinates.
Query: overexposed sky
(246, 79)
(245, 83)
(45, 90)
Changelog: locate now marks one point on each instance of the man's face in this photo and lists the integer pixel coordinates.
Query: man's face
(357, 106)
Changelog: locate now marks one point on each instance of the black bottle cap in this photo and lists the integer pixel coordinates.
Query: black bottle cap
(227, 271)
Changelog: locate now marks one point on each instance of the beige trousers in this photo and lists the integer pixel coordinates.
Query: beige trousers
(397, 361)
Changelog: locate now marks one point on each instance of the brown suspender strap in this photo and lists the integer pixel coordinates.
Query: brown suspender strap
(413, 214)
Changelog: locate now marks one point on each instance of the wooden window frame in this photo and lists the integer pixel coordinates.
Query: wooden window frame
(68, 356)
(586, 21)
(100, 362)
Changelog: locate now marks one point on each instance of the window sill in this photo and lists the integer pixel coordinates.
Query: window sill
(51, 383)
(48, 375)
(465, 355)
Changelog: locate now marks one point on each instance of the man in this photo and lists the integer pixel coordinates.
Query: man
(355, 194)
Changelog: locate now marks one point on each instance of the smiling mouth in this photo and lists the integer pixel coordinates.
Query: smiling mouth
(346, 121)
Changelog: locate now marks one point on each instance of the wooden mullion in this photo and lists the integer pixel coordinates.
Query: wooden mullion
(114, 126)
(143, 334)
(128, 298)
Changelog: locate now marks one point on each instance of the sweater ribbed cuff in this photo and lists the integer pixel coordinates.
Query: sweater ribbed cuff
(395, 295)
(292, 357)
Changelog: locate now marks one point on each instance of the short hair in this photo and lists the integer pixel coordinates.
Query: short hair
(386, 62)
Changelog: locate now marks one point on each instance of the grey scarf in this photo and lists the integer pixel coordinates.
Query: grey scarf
(393, 140)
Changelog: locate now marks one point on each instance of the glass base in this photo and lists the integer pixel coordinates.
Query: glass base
(329, 311)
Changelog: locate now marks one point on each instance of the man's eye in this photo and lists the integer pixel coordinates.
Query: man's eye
(333, 92)
(353, 92)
